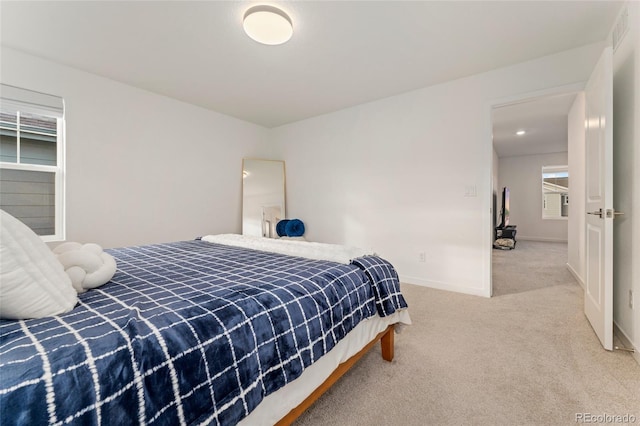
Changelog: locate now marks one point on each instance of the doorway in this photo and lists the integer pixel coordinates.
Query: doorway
(534, 155)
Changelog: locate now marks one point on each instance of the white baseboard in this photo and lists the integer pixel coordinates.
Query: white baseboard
(624, 338)
(474, 291)
(541, 239)
(575, 275)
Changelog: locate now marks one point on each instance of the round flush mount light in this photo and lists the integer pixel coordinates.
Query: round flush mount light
(520, 132)
(267, 25)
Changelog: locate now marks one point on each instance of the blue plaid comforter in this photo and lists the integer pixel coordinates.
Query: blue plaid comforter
(186, 333)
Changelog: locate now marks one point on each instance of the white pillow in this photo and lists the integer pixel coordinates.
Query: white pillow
(33, 283)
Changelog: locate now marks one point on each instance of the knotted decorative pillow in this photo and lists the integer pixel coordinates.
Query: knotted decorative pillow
(86, 264)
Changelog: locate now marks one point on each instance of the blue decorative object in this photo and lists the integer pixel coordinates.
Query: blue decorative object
(294, 228)
(281, 227)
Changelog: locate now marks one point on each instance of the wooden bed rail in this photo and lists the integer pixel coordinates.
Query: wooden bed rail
(386, 340)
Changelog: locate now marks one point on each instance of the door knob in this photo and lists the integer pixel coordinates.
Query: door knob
(612, 213)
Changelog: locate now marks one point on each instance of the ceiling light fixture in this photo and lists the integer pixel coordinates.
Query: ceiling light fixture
(267, 25)
(520, 132)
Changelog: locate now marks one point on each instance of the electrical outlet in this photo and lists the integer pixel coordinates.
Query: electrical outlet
(630, 299)
(422, 257)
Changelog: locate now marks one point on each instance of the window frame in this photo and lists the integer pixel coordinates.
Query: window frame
(59, 170)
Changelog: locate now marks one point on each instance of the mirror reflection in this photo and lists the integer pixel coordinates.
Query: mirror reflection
(263, 199)
(555, 192)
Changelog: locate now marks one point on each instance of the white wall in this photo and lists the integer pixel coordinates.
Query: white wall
(626, 178)
(576, 226)
(141, 168)
(392, 174)
(497, 192)
(522, 174)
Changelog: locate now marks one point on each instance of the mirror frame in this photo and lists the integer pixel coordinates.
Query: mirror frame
(268, 226)
(564, 196)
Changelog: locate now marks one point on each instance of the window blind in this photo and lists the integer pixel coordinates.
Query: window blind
(13, 99)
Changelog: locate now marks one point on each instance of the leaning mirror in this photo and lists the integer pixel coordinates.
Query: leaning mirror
(263, 201)
(555, 192)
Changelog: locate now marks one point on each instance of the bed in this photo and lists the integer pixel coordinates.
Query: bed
(198, 332)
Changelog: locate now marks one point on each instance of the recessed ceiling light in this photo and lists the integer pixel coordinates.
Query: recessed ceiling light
(520, 132)
(267, 25)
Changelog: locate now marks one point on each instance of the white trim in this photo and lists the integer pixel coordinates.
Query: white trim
(439, 285)
(575, 275)
(29, 167)
(624, 337)
(60, 234)
(552, 169)
(488, 214)
(488, 151)
(59, 174)
(18, 136)
(559, 169)
(540, 239)
(538, 94)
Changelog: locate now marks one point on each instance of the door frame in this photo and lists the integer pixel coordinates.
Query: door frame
(490, 106)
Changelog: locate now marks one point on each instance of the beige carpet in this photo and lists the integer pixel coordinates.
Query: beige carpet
(528, 357)
(531, 265)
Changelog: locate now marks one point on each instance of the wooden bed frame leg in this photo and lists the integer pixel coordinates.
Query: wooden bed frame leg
(387, 344)
(386, 339)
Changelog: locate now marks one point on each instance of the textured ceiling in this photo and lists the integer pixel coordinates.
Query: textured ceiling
(342, 53)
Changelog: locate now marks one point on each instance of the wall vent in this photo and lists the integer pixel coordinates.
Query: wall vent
(621, 28)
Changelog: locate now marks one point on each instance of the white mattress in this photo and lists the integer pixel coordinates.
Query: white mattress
(321, 251)
(278, 404)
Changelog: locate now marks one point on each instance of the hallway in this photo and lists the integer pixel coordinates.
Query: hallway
(532, 265)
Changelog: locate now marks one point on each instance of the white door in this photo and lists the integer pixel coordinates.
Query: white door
(598, 297)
